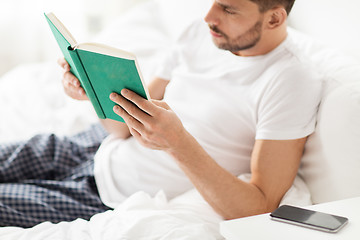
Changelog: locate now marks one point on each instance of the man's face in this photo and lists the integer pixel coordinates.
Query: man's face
(235, 25)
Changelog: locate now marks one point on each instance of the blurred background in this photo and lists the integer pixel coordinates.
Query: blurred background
(26, 37)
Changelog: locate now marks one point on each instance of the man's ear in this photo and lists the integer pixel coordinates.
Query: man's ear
(275, 17)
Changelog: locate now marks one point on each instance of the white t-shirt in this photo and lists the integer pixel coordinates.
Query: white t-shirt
(226, 102)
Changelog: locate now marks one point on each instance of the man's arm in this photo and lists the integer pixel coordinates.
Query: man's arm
(74, 90)
(274, 164)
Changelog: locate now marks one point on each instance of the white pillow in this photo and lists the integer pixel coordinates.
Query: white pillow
(331, 162)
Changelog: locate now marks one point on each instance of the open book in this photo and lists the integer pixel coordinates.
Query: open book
(101, 69)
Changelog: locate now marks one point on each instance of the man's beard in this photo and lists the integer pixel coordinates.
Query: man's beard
(243, 42)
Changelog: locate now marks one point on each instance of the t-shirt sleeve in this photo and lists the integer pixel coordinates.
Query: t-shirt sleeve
(289, 106)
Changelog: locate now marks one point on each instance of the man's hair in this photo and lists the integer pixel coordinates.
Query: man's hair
(265, 5)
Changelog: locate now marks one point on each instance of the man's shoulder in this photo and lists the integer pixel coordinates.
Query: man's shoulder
(298, 51)
(291, 67)
(293, 60)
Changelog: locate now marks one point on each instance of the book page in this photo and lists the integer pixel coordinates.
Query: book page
(106, 50)
(62, 29)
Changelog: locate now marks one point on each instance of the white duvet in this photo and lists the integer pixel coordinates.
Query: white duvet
(140, 217)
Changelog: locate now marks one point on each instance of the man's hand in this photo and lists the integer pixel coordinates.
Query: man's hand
(151, 122)
(70, 83)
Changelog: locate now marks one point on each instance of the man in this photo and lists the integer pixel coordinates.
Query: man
(233, 101)
(247, 29)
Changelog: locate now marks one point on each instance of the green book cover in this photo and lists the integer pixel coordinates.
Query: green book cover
(101, 69)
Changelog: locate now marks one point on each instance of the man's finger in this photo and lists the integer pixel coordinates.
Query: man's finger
(64, 64)
(71, 78)
(142, 103)
(131, 108)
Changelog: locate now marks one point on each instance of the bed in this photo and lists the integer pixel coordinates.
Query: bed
(41, 106)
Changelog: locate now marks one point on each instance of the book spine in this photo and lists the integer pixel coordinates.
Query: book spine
(85, 83)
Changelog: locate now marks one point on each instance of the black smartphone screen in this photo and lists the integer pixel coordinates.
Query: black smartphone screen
(309, 218)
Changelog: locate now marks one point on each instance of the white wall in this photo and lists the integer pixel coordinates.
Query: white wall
(331, 21)
(25, 35)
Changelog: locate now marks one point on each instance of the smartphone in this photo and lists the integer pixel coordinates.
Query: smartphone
(308, 218)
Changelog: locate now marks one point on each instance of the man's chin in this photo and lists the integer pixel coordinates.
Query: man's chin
(218, 43)
(222, 46)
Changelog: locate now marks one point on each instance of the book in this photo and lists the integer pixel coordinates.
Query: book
(100, 69)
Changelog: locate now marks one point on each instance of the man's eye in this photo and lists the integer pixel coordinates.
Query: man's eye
(228, 11)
